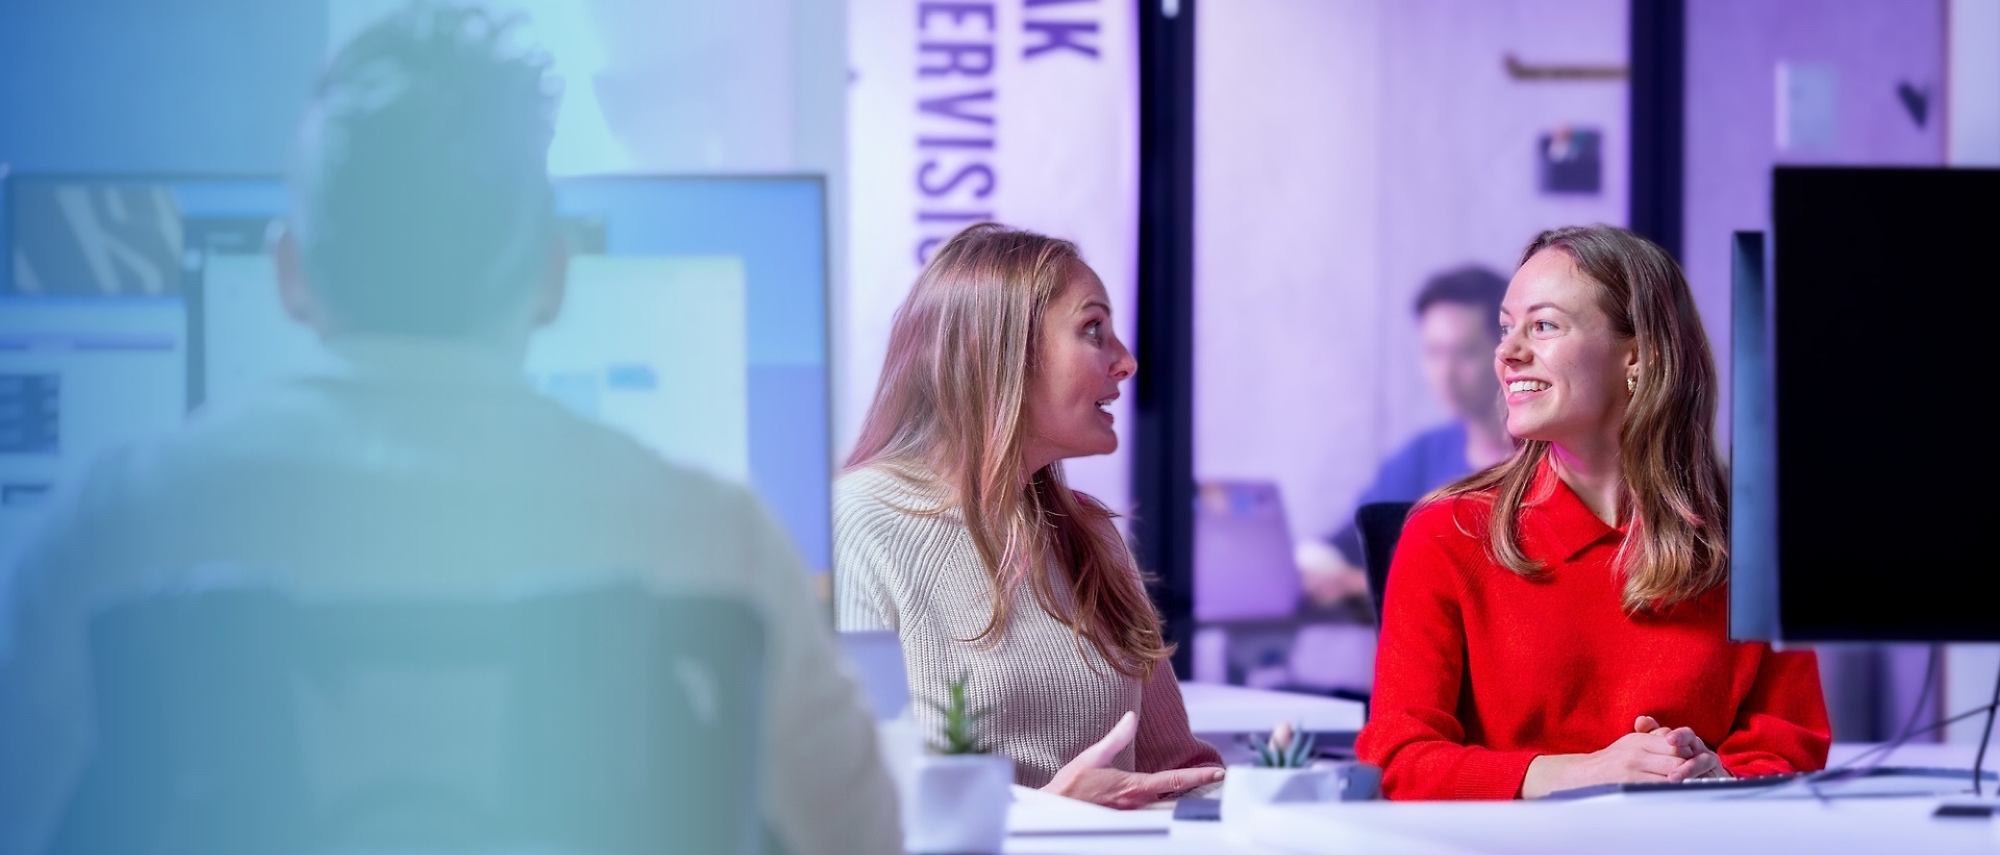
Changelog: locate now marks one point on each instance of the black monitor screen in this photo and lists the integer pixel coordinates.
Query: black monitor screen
(1886, 339)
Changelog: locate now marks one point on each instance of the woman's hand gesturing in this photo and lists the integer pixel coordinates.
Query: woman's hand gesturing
(1091, 778)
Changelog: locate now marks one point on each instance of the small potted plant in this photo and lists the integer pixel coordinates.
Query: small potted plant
(958, 794)
(1282, 771)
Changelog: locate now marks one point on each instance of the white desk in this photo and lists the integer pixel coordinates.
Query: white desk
(1634, 824)
(1223, 709)
(1626, 826)
(1215, 711)
(1187, 838)
(1043, 824)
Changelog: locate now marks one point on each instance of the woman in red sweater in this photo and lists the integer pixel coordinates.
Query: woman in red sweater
(1561, 619)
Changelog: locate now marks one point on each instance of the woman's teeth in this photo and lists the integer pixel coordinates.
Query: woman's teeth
(1527, 386)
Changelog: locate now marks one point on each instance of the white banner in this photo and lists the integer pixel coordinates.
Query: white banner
(1024, 112)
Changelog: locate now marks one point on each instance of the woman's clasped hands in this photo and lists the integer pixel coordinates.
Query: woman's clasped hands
(1699, 762)
(1649, 754)
(1091, 777)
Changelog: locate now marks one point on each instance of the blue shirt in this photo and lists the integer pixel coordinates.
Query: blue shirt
(1433, 459)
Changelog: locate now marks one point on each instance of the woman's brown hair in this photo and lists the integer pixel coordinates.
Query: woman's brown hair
(950, 406)
(1675, 491)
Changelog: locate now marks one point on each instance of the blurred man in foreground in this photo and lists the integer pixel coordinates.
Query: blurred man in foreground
(423, 248)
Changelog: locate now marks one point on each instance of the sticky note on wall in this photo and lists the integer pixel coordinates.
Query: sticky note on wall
(1808, 102)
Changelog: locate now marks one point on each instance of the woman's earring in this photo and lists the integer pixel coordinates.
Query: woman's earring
(1631, 385)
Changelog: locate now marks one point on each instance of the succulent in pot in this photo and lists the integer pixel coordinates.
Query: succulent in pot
(957, 796)
(1285, 748)
(1281, 770)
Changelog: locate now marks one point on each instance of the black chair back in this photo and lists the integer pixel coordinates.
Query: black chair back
(1380, 525)
(242, 721)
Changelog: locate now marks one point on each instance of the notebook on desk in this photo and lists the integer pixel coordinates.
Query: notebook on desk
(1036, 813)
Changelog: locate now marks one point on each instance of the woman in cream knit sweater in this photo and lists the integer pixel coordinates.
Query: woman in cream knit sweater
(954, 528)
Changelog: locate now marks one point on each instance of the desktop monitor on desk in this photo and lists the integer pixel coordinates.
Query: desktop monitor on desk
(694, 320)
(1863, 462)
(93, 327)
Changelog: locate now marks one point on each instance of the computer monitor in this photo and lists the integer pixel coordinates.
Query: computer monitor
(93, 344)
(1753, 505)
(694, 319)
(1880, 339)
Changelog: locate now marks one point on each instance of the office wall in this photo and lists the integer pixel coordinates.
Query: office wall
(1347, 150)
(1732, 137)
(137, 85)
(679, 86)
(1972, 118)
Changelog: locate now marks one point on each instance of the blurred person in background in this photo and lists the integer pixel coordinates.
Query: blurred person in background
(423, 248)
(1455, 324)
(954, 528)
(1582, 585)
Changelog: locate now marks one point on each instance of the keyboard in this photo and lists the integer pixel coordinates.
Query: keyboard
(1883, 776)
(1687, 786)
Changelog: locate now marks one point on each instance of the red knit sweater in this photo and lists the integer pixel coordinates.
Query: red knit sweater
(1480, 670)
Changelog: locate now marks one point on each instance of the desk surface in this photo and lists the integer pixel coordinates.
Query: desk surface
(1626, 826)
(1221, 709)
(1619, 824)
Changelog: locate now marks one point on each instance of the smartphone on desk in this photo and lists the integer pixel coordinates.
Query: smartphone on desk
(1197, 809)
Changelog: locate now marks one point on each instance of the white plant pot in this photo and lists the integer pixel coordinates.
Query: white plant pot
(957, 803)
(1246, 788)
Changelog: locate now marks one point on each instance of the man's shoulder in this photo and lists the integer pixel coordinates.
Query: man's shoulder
(612, 452)
(1443, 439)
(1407, 474)
(1450, 434)
(599, 460)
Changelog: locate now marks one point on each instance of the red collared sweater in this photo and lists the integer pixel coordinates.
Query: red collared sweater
(1479, 670)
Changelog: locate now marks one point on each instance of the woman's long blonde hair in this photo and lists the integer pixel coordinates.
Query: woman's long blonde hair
(951, 404)
(1675, 491)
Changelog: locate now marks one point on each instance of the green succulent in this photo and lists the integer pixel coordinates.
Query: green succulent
(1286, 748)
(961, 721)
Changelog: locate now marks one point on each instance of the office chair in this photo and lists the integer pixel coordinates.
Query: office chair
(244, 721)
(1380, 525)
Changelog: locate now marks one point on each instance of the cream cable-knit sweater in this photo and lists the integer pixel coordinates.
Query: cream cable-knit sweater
(921, 577)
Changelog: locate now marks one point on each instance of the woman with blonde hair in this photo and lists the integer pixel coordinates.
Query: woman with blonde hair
(1561, 619)
(954, 528)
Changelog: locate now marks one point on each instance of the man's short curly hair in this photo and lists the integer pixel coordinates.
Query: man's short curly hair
(1471, 285)
(422, 201)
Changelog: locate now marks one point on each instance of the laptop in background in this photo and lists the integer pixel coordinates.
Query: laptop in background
(1243, 563)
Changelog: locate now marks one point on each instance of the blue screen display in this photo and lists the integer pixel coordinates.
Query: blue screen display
(128, 252)
(777, 227)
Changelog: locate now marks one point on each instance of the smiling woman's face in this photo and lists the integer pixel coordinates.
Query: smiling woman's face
(1079, 363)
(1560, 362)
